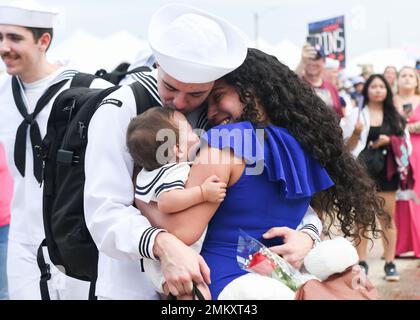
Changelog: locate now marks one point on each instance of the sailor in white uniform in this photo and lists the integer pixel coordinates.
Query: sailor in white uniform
(32, 84)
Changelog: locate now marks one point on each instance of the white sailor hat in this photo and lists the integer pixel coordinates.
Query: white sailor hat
(194, 46)
(27, 13)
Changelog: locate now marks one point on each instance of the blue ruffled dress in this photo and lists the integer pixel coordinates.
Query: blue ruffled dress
(278, 196)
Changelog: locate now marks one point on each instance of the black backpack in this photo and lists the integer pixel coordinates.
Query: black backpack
(70, 245)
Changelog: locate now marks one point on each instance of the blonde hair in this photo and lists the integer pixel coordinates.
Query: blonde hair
(417, 90)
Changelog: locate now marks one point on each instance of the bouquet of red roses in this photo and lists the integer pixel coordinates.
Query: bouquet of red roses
(253, 256)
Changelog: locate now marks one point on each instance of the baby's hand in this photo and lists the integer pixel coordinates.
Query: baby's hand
(213, 190)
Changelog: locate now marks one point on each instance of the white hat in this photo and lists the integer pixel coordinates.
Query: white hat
(194, 46)
(358, 80)
(27, 13)
(330, 257)
(332, 64)
(348, 84)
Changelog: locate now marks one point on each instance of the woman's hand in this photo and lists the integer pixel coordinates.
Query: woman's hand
(382, 141)
(354, 139)
(358, 128)
(296, 244)
(407, 114)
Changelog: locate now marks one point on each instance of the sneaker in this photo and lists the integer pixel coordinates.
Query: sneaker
(391, 273)
(364, 266)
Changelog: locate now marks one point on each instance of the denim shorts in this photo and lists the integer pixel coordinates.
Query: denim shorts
(4, 235)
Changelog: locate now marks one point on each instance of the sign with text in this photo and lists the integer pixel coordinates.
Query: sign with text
(330, 35)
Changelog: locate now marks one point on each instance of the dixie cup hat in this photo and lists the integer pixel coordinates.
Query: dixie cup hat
(194, 46)
(27, 13)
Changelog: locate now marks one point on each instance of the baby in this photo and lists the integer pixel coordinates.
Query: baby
(165, 170)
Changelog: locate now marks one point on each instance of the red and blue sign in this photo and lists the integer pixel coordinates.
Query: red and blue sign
(330, 35)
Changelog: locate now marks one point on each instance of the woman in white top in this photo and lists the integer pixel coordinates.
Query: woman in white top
(367, 131)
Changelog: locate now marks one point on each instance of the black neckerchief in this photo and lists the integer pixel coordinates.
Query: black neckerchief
(30, 121)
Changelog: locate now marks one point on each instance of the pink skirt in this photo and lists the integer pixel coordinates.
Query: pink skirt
(407, 220)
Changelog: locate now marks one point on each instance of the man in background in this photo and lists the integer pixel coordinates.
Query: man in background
(311, 68)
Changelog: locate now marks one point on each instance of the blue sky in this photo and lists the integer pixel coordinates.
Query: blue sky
(370, 25)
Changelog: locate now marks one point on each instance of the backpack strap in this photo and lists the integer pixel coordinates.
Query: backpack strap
(102, 72)
(45, 271)
(139, 69)
(143, 99)
(83, 80)
(92, 289)
(115, 77)
(196, 293)
(46, 275)
(68, 157)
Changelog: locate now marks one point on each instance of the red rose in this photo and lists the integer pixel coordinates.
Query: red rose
(261, 264)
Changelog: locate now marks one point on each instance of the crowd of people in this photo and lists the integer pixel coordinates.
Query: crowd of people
(165, 214)
(373, 108)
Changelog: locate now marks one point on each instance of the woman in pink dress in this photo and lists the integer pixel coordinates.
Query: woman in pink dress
(6, 191)
(407, 215)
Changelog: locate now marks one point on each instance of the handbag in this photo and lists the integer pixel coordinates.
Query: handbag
(352, 284)
(374, 159)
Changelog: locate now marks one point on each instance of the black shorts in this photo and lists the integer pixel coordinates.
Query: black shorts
(382, 183)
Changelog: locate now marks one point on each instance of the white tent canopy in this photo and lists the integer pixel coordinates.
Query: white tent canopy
(88, 53)
(286, 51)
(380, 59)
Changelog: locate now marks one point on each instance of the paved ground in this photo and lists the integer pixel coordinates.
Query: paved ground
(408, 288)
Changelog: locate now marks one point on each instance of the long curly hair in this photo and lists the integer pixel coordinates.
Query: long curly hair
(291, 103)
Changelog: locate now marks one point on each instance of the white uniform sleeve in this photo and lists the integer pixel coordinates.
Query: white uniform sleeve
(311, 223)
(118, 228)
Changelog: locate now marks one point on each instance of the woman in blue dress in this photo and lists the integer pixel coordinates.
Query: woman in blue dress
(279, 149)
